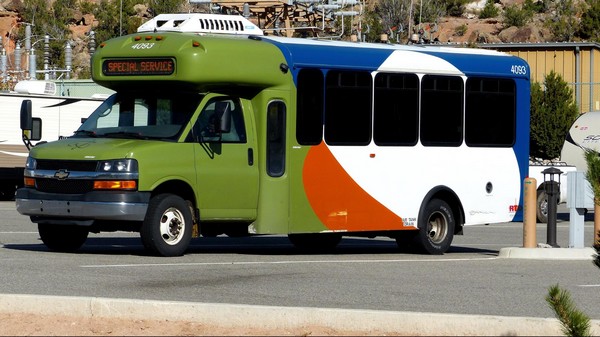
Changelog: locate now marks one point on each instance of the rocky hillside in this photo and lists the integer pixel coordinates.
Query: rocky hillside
(465, 29)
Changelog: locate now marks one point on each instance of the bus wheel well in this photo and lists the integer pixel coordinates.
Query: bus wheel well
(176, 187)
(447, 195)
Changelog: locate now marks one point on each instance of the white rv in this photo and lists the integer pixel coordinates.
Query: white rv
(61, 116)
(583, 134)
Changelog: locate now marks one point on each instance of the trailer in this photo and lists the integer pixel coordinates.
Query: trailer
(61, 115)
(583, 135)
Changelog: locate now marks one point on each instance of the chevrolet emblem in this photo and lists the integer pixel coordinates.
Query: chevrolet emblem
(61, 174)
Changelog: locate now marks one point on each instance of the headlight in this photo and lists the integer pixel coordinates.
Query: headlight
(118, 165)
(30, 164)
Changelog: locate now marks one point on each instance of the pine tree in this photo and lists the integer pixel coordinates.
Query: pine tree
(553, 111)
(574, 322)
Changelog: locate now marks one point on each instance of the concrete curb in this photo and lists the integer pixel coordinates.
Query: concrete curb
(548, 253)
(271, 317)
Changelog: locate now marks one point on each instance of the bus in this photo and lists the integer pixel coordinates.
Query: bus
(216, 128)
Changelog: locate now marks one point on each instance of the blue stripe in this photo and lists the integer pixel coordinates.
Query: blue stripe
(361, 56)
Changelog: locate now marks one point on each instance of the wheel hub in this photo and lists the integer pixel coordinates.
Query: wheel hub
(172, 226)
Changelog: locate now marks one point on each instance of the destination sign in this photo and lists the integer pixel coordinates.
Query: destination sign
(138, 67)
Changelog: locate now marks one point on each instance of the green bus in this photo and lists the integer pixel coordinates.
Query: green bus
(217, 129)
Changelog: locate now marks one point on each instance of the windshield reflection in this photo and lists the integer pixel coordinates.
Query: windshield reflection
(141, 116)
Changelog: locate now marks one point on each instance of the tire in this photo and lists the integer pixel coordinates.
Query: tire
(436, 228)
(167, 227)
(63, 238)
(315, 242)
(542, 207)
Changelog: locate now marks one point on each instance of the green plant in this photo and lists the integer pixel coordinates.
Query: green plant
(515, 16)
(460, 30)
(535, 7)
(590, 21)
(564, 23)
(593, 172)
(489, 10)
(553, 111)
(455, 7)
(573, 321)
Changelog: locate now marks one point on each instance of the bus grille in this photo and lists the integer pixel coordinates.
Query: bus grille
(70, 165)
(72, 186)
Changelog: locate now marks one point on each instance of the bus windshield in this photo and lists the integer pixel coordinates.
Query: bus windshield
(141, 115)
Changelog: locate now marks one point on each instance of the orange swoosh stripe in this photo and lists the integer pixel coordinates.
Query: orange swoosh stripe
(339, 202)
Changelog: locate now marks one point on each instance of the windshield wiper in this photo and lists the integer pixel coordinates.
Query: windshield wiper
(86, 133)
(124, 134)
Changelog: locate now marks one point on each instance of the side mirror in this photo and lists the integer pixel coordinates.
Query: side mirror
(30, 127)
(26, 120)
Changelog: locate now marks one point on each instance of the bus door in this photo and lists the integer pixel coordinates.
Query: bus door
(271, 121)
(225, 157)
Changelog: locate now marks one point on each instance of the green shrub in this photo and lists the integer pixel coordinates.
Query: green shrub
(460, 30)
(515, 16)
(489, 10)
(553, 111)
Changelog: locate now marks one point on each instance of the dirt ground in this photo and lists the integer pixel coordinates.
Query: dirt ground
(55, 325)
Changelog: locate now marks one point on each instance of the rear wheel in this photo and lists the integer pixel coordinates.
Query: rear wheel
(542, 207)
(436, 228)
(63, 238)
(167, 228)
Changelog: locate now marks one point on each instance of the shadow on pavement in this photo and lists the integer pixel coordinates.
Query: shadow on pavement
(257, 245)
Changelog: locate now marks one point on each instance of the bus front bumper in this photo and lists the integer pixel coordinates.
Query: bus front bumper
(119, 206)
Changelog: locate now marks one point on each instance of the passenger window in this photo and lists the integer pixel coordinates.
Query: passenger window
(348, 107)
(208, 126)
(309, 107)
(442, 110)
(490, 102)
(396, 109)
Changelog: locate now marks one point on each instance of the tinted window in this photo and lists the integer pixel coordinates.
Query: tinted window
(396, 109)
(490, 112)
(441, 110)
(309, 107)
(348, 108)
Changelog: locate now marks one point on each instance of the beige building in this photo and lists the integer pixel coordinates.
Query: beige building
(577, 62)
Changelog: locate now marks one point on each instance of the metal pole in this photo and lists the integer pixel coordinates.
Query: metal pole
(121, 19)
(552, 202)
(552, 189)
(46, 57)
(68, 59)
(32, 64)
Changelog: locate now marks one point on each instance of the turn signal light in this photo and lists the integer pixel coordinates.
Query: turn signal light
(29, 182)
(115, 185)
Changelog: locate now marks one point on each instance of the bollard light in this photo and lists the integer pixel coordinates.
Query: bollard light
(552, 189)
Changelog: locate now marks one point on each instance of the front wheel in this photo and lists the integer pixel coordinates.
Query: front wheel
(436, 227)
(63, 238)
(167, 228)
